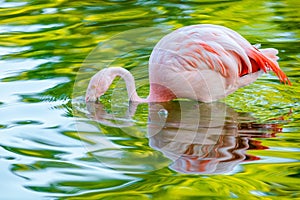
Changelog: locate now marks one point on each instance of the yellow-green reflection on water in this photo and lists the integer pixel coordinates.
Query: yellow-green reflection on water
(46, 153)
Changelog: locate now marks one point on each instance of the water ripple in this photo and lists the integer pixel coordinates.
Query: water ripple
(46, 153)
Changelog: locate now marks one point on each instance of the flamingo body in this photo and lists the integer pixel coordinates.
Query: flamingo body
(201, 62)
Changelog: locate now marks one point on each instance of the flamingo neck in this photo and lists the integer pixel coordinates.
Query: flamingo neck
(158, 93)
(130, 83)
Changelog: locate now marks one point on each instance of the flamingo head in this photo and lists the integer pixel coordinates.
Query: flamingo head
(98, 85)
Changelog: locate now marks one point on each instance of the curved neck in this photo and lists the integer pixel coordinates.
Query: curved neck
(130, 83)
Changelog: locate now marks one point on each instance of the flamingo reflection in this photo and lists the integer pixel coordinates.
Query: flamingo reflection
(199, 138)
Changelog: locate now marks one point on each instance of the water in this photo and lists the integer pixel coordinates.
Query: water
(53, 146)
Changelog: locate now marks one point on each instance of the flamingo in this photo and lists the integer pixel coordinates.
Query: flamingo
(201, 62)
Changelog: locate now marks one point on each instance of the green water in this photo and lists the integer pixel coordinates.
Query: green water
(53, 146)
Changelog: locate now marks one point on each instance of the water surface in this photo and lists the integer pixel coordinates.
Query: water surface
(55, 146)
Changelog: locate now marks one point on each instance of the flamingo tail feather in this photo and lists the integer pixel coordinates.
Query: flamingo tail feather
(266, 60)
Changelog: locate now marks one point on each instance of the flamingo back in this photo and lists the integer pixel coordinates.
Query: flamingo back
(206, 46)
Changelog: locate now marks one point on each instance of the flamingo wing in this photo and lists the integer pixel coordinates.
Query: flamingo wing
(201, 47)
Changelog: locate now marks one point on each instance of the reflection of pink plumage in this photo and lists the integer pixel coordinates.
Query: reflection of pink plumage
(200, 62)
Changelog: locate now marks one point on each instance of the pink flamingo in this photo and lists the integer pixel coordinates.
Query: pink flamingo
(201, 62)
